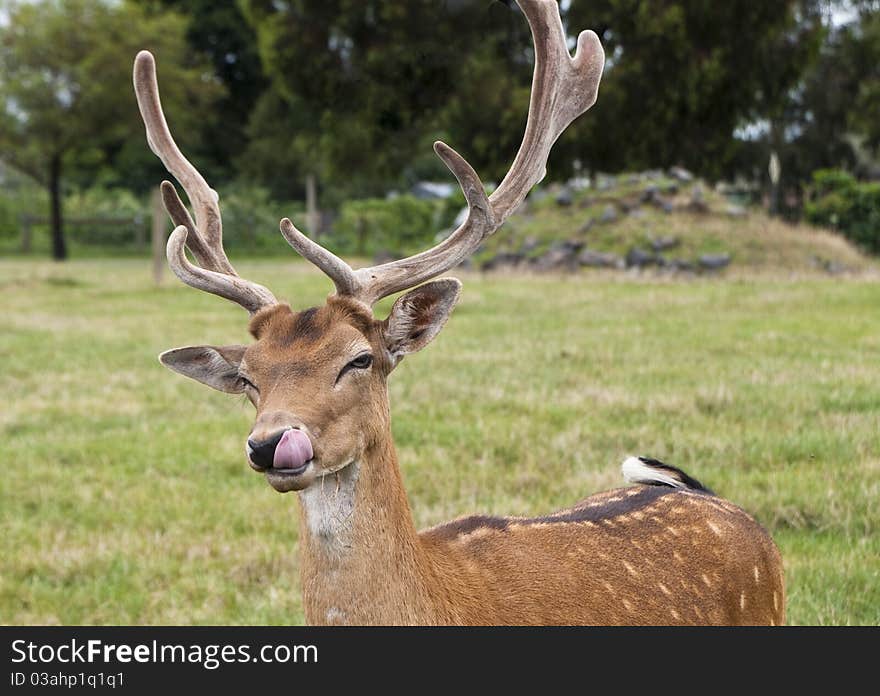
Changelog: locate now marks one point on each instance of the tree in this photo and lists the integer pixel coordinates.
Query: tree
(65, 86)
(682, 75)
(359, 88)
(218, 31)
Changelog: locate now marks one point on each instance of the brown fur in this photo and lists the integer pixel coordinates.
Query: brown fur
(641, 555)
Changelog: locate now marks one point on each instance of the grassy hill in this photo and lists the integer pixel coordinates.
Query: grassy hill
(652, 221)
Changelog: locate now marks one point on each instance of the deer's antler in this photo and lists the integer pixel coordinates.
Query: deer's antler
(562, 89)
(204, 236)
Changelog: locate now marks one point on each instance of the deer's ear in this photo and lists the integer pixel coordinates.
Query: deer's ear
(215, 366)
(418, 316)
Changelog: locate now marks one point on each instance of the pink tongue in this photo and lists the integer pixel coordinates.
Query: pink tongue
(293, 450)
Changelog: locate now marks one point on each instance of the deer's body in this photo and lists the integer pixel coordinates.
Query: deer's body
(649, 554)
(640, 555)
(668, 552)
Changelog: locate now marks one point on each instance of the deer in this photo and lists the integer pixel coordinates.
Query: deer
(664, 550)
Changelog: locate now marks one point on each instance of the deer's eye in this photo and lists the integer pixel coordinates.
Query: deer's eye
(247, 384)
(361, 362)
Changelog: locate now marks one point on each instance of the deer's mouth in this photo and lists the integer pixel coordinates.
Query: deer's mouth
(287, 458)
(292, 479)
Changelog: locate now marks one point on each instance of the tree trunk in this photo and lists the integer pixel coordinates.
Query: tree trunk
(774, 169)
(59, 247)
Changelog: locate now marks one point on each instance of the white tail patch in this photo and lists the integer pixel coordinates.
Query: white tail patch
(636, 471)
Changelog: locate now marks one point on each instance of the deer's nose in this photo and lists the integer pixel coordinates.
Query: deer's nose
(262, 452)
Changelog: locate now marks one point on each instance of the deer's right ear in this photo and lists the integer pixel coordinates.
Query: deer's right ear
(216, 367)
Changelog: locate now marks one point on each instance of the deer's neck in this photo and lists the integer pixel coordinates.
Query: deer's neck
(361, 559)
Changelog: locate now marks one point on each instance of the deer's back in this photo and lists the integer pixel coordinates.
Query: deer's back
(640, 555)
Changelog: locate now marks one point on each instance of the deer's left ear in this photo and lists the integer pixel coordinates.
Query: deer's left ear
(418, 316)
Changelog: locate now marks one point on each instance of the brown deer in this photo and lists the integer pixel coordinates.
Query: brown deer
(664, 551)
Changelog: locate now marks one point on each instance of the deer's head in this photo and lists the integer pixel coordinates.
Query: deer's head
(318, 377)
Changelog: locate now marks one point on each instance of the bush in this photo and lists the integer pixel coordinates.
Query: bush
(400, 225)
(19, 196)
(836, 199)
(125, 213)
(251, 217)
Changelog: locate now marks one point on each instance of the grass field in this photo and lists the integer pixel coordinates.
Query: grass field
(125, 497)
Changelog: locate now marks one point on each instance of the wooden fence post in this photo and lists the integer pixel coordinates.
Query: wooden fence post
(312, 216)
(25, 233)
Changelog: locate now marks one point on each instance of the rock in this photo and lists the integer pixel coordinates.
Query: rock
(829, 266)
(609, 214)
(664, 243)
(605, 182)
(714, 262)
(650, 193)
(564, 197)
(698, 203)
(586, 202)
(736, 211)
(529, 244)
(639, 258)
(560, 255)
(682, 265)
(681, 174)
(669, 189)
(637, 213)
(587, 226)
(503, 259)
(598, 259)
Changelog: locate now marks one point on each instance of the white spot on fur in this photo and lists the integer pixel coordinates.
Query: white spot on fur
(632, 571)
(714, 528)
(675, 614)
(335, 616)
(706, 580)
(664, 589)
(757, 575)
(742, 600)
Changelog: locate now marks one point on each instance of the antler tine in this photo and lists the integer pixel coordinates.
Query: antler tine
(336, 269)
(204, 236)
(562, 89)
(377, 282)
(251, 296)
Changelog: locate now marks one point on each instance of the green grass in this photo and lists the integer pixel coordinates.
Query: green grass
(125, 496)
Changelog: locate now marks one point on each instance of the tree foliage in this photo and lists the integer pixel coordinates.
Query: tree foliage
(66, 102)
(263, 93)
